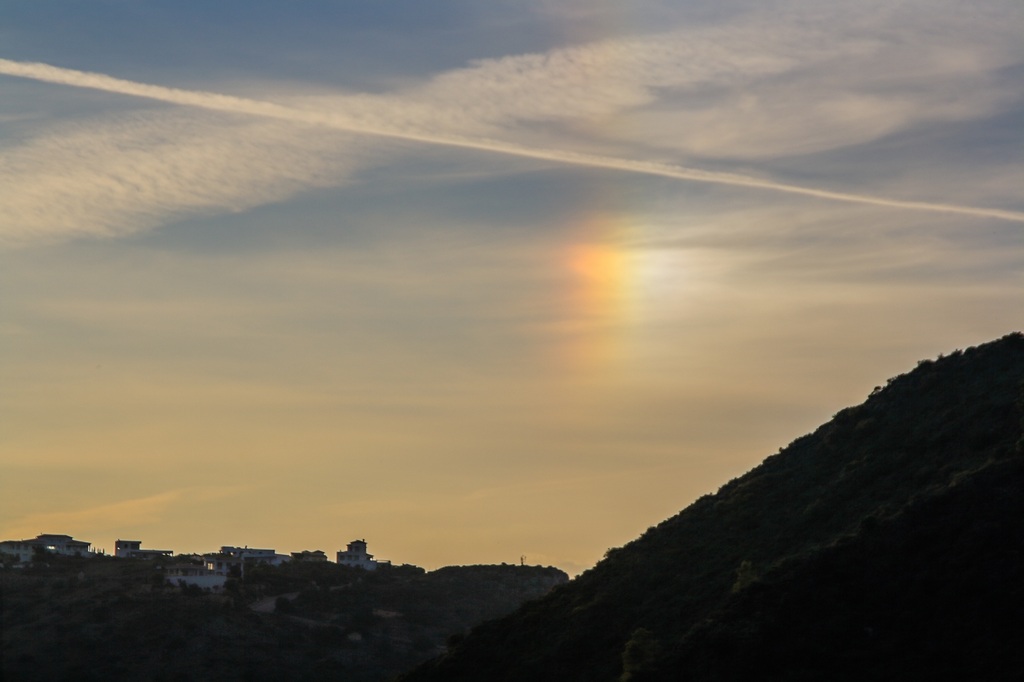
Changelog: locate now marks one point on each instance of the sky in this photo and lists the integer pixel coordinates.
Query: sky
(479, 282)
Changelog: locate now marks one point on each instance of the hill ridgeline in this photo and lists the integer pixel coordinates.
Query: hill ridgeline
(888, 544)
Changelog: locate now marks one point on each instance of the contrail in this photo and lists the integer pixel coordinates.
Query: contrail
(339, 121)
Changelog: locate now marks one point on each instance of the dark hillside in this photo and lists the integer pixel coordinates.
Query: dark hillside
(934, 594)
(857, 552)
(73, 618)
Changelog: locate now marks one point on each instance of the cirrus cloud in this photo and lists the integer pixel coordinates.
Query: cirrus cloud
(749, 89)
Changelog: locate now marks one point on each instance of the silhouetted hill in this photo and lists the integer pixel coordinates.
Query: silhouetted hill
(888, 544)
(71, 618)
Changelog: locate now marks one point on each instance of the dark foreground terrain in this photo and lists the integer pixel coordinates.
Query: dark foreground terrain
(66, 618)
(886, 545)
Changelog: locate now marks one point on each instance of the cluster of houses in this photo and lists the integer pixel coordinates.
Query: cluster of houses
(207, 571)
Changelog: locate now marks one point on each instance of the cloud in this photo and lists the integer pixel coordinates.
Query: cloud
(756, 87)
(28, 192)
(137, 171)
(130, 513)
(866, 88)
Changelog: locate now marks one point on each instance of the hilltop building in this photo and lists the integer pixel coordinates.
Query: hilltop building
(229, 561)
(233, 560)
(132, 549)
(357, 557)
(181, 574)
(65, 545)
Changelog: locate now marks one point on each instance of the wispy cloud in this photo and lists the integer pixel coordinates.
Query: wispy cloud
(750, 89)
(230, 104)
(137, 171)
(126, 513)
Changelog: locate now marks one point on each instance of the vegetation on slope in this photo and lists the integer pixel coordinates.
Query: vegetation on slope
(71, 618)
(890, 533)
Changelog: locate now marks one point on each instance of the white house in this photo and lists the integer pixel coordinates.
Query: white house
(237, 558)
(194, 574)
(66, 545)
(357, 557)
